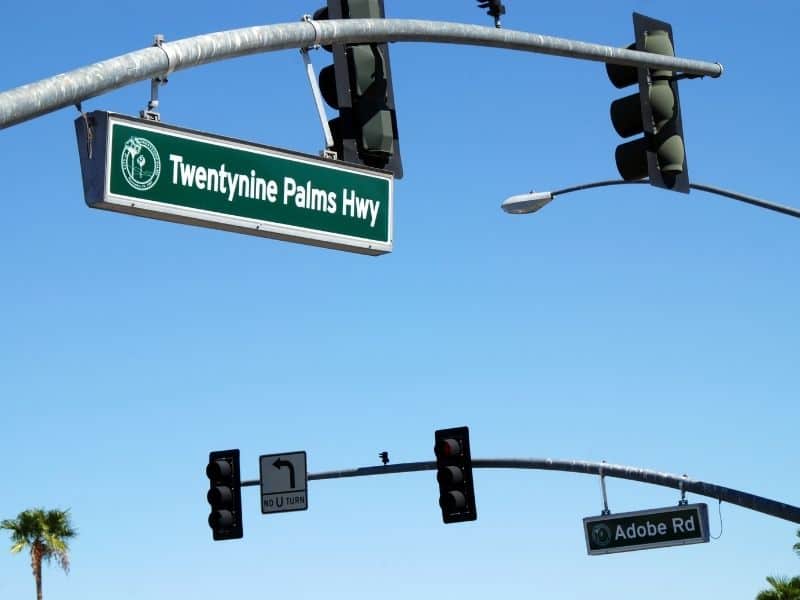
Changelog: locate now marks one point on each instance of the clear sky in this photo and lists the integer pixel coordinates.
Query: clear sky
(631, 325)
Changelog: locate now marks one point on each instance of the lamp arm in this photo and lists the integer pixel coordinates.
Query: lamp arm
(786, 210)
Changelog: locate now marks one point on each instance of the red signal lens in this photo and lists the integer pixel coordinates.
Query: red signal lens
(448, 447)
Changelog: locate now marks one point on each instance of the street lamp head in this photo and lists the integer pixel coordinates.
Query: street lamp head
(526, 203)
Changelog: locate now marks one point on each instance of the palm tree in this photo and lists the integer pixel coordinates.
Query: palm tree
(46, 533)
(783, 588)
(797, 545)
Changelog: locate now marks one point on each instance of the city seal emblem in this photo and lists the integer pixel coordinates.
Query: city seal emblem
(601, 535)
(141, 164)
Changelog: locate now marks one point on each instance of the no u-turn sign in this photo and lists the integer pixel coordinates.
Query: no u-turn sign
(284, 482)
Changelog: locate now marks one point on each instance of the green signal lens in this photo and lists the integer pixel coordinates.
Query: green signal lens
(670, 154)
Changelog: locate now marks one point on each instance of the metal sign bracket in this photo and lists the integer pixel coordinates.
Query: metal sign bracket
(605, 510)
(89, 124)
(328, 152)
(683, 501)
(151, 112)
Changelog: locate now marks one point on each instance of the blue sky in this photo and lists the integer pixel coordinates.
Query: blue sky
(631, 325)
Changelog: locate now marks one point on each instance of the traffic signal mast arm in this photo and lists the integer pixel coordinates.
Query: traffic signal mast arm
(47, 95)
(702, 488)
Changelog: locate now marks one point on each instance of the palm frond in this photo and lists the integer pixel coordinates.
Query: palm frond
(63, 561)
(776, 581)
(783, 588)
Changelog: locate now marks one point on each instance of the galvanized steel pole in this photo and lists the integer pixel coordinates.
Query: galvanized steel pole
(35, 99)
(702, 488)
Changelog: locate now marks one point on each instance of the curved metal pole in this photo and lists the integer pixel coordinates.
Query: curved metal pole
(547, 196)
(786, 210)
(32, 100)
(702, 488)
(594, 184)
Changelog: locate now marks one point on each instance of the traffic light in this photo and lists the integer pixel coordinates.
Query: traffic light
(454, 474)
(495, 9)
(654, 111)
(359, 85)
(225, 494)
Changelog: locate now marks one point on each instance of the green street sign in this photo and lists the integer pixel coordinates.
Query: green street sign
(150, 169)
(644, 529)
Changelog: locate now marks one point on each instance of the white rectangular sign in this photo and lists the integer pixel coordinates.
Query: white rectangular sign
(284, 482)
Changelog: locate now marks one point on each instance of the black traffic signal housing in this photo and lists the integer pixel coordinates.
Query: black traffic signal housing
(225, 494)
(654, 111)
(494, 8)
(454, 474)
(359, 85)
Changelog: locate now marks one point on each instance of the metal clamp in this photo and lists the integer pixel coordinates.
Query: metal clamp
(151, 112)
(605, 510)
(158, 42)
(317, 33)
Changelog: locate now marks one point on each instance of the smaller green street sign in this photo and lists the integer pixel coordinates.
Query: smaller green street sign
(150, 169)
(644, 529)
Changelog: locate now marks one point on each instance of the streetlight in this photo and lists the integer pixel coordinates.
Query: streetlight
(533, 201)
